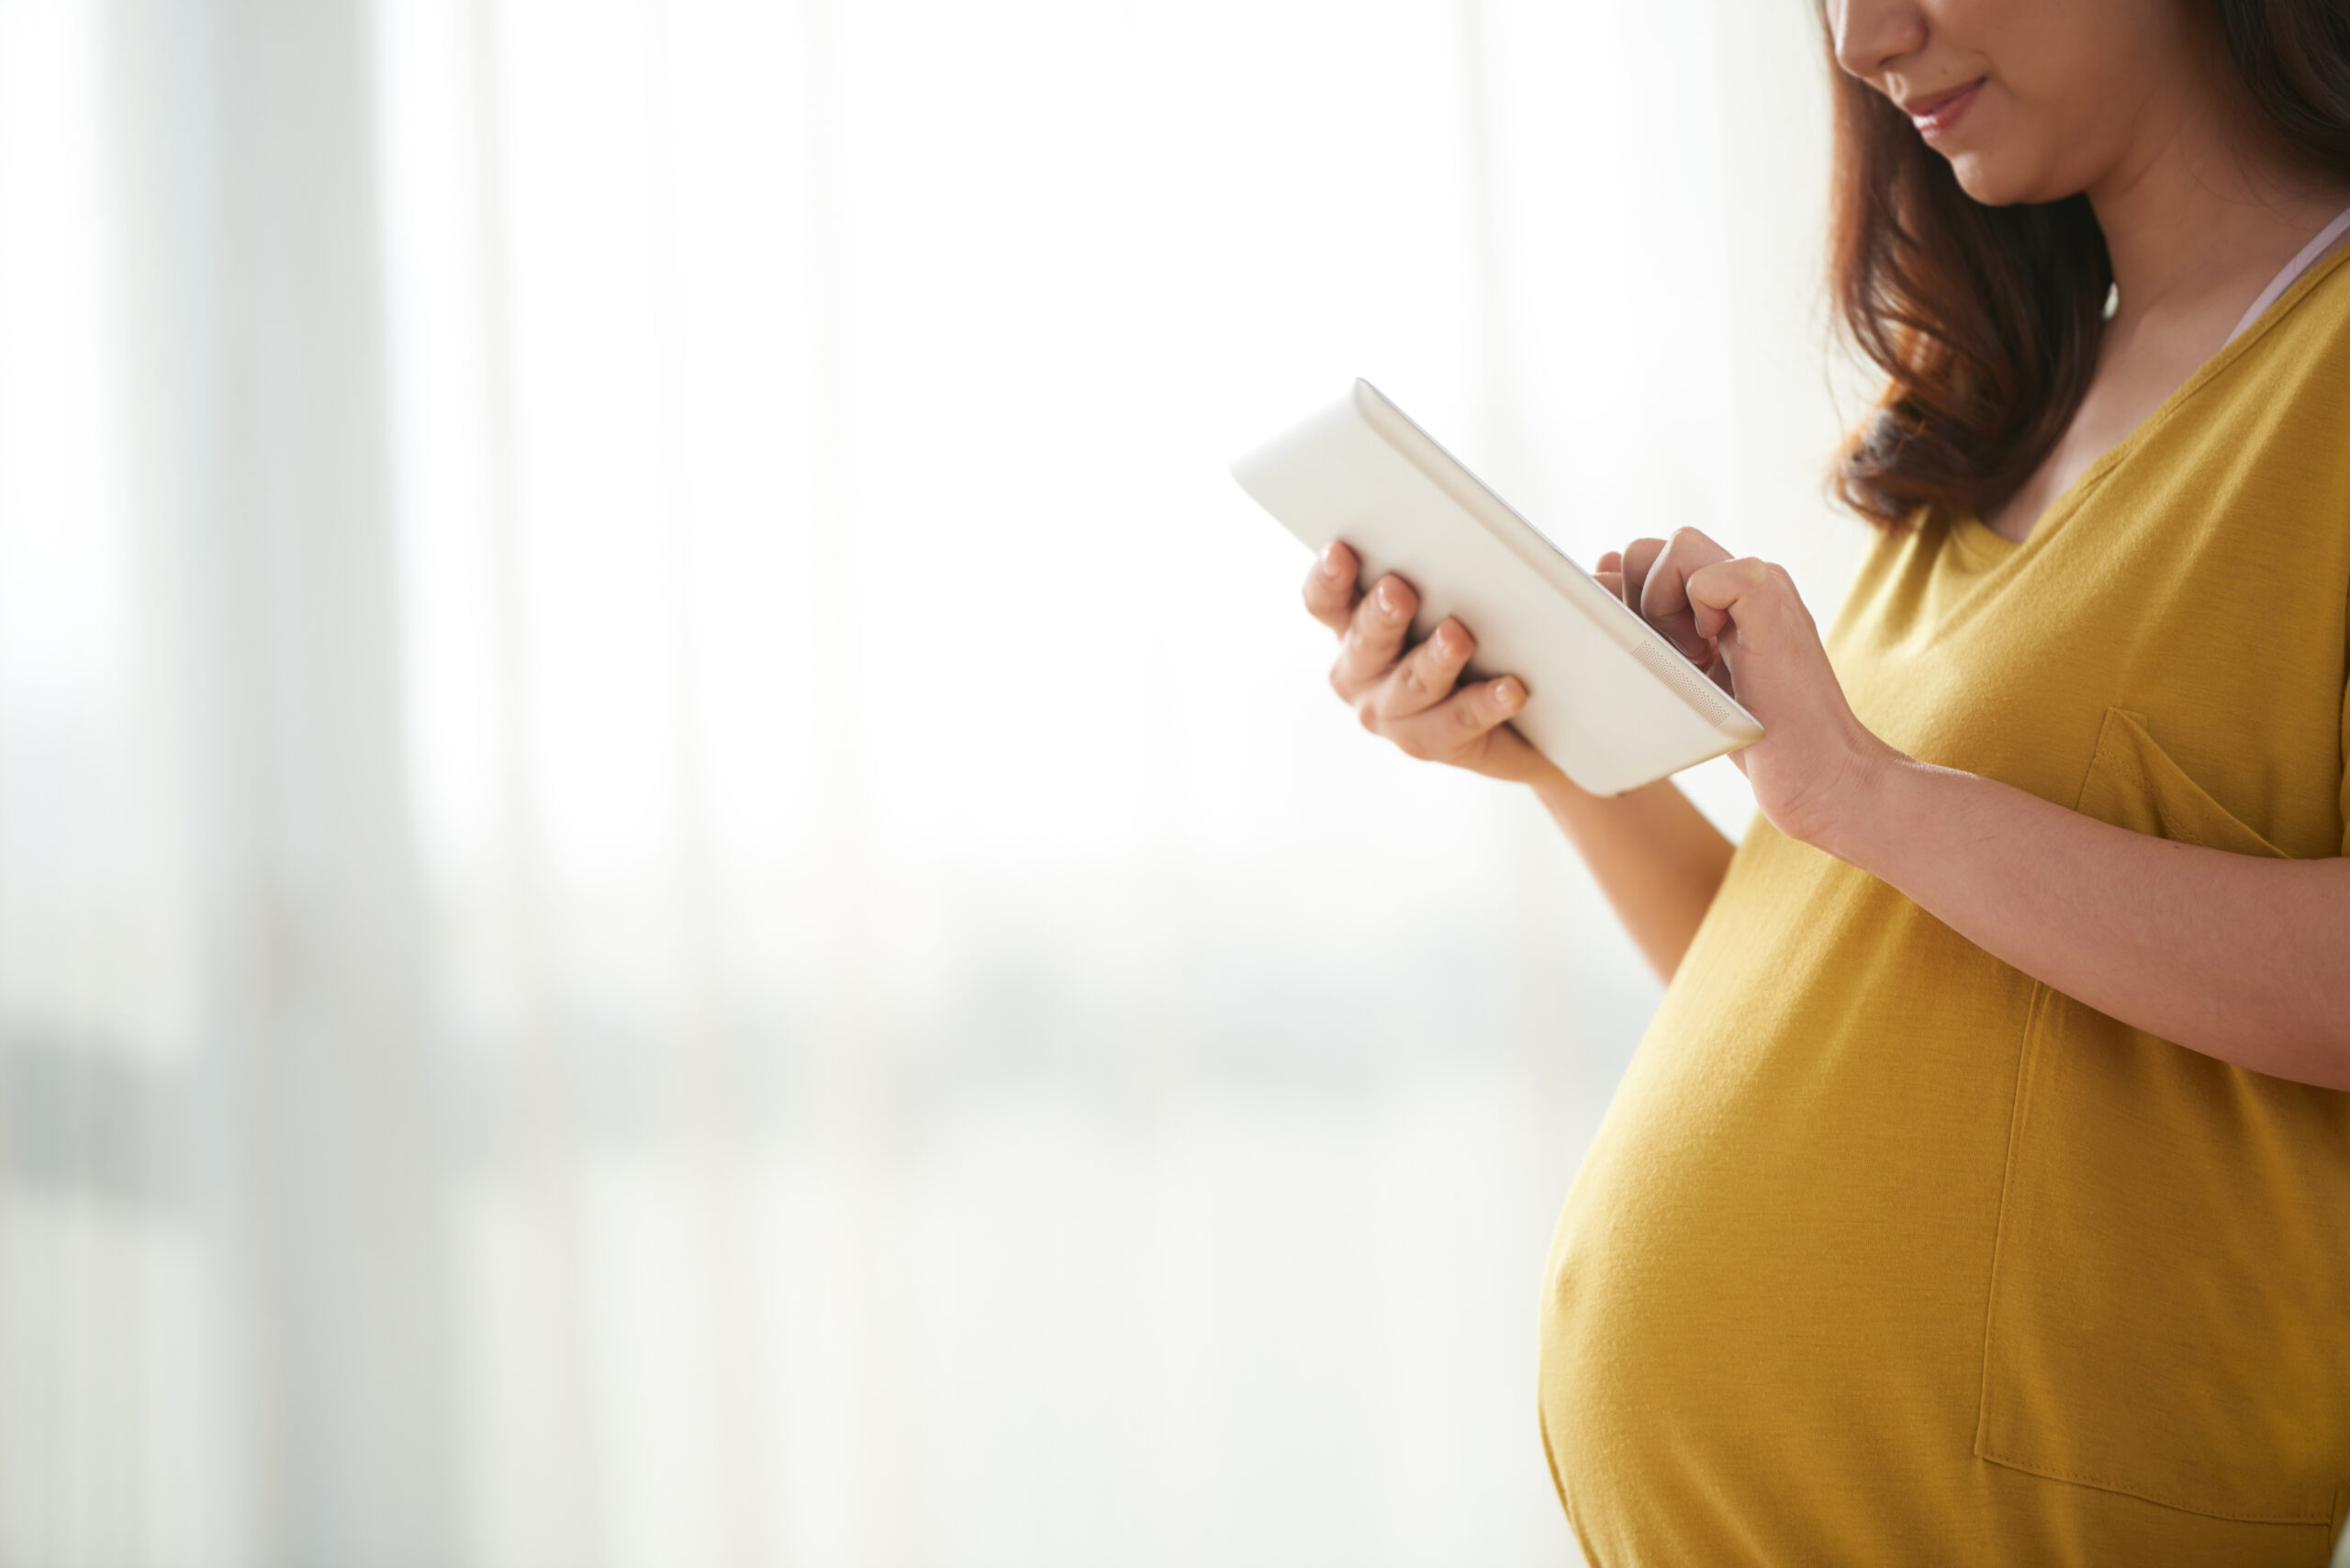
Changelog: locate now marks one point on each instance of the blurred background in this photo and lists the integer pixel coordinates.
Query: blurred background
(677, 883)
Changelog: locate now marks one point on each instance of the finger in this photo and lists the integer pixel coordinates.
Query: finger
(1460, 722)
(1429, 673)
(1374, 637)
(1639, 556)
(1330, 586)
(1609, 572)
(1742, 593)
(1664, 599)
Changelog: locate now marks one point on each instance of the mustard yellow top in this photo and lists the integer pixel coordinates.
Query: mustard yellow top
(1887, 1254)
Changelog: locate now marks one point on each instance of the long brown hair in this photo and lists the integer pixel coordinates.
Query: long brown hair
(1986, 320)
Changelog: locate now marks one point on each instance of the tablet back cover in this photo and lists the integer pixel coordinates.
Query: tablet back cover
(1606, 700)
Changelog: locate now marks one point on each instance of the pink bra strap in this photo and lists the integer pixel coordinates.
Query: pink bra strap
(2309, 257)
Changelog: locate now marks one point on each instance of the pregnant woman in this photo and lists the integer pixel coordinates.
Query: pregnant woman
(1981, 1192)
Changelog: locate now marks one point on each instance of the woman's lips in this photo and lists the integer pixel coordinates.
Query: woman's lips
(1936, 115)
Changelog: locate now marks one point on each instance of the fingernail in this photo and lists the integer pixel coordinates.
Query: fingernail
(1328, 565)
(1387, 604)
(1508, 693)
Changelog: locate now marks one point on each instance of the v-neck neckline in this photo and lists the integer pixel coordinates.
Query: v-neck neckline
(2053, 516)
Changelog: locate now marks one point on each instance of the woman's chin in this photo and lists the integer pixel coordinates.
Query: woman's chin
(1994, 182)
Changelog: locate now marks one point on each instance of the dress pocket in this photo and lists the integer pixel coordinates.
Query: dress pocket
(2170, 1294)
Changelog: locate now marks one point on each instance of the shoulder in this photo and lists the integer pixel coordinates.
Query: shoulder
(2258, 444)
(2300, 349)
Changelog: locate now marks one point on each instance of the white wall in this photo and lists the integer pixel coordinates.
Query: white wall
(677, 885)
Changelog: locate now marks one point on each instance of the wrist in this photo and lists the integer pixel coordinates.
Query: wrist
(1577, 811)
(1553, 787)
(1866, 806)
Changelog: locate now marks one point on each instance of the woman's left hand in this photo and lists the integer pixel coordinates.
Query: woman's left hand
(2237, 956)
(1742, 621)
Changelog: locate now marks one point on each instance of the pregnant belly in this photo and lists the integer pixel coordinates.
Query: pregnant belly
(1763, 1320)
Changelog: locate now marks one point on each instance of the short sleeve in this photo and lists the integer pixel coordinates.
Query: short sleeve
(2344, 754)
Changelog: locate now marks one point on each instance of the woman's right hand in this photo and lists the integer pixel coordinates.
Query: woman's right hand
(1415, 697)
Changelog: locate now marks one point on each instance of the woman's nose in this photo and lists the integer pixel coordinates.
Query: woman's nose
(1870, 34)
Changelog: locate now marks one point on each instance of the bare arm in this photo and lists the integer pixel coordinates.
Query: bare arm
(1655, 856)
(2241, 958)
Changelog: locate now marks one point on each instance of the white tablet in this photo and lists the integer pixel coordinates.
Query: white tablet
(1608, 698)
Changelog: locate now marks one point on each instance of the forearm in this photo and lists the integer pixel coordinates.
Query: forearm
(1655, 856)
(2243, 959)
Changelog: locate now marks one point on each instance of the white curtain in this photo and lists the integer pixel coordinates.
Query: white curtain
(677, 885)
